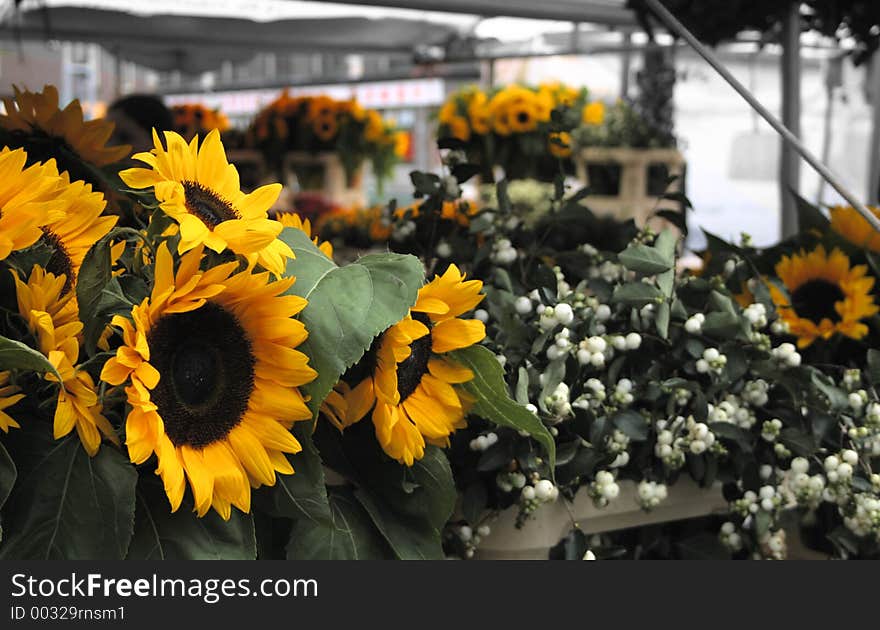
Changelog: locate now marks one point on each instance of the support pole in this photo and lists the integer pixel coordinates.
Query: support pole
(873, 195)
(789, 161)
(678, 28)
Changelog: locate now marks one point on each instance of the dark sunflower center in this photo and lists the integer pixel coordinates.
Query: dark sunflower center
(60, 262)
(415, 366)
(523, 117)
(207, 374)
(815, 300)
(207, 205)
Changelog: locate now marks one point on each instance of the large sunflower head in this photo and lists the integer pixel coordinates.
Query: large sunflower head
(28, 200)
(852, 226)
(213, 375)
(523, 117)
(411, 385)
(826, 296)
(198, 188)
(72, 236)
(36, 123)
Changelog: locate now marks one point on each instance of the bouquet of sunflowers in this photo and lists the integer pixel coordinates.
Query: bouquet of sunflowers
(194, 119)
(175, 382)
(320, 124)
(524, 130)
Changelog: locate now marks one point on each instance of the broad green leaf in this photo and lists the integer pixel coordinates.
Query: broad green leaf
(474, 501)
(637, 294)
(665, 245)
(493, 401)
(661, 320)
(14, 355)
(643, 259)
(632, 424)
(348, 306)
(874, 366)
(348, 534)
(302, 494)
(409, 539)
(94, 275)
(722, 325)
(160, 534)
(65, 504)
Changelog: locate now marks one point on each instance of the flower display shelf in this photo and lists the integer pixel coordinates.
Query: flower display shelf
(629, 183)
(324, 174)
(553, 521)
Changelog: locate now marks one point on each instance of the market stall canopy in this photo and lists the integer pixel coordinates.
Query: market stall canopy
(195, 42)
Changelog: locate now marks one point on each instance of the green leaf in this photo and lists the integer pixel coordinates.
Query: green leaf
(348, 306)
(8, 474)
(65, 504)
(632, 424)
(799, 442)
(95, 273)
(522, 386)
(722, 325)
(474, 502)
(729, 431)
(809, 216)
(348, 534)
(637, 294)
(408, 538)
(494, 403)
(666, 244)
(644, 259)
(661, 320)
(302, 494)
(160, 534)
(874, 366)
(15, 355)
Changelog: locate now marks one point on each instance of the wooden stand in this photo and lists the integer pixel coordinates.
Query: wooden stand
(633, 199)
(552, 522)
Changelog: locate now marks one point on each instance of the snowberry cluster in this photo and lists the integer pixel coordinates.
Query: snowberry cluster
(734, 410)
(594, 395)
(711, 361)
(729, 537)
(559, 402)
(604, 489)
(470, 538)
(786, 355)
(650, 494)
(803, 489)
(552, 316)
(770, 429)
(482, 442)
(694, 324)
(756, 392)
(617, 444)
(503, 252)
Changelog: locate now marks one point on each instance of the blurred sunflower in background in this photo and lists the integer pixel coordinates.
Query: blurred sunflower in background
(559, 144)
(593, 113)
(846, 221)
(35, 122)
(826, 295)
(198, 188)
(213, 368)
(410, 384)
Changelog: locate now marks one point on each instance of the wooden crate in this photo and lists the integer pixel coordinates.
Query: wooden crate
(633, 200)
(325, 176)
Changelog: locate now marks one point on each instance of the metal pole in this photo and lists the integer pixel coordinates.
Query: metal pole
(625, 65)
(874, 164)
(790, 77)
(674, 25)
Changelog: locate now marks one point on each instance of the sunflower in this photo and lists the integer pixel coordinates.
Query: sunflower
(9, 396)
(213, 373)
(411, 386)
(28, 199)
(72, 236)
(852, 226)
(559, 144)
(375, 127)
(479, 117)
(827, 295)
(523, 117)
(459, 129)
(52, 318)
(593, 113)
(293, 220)
(325, 127)
(34, 118)
(198, 188)
(448, 112)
